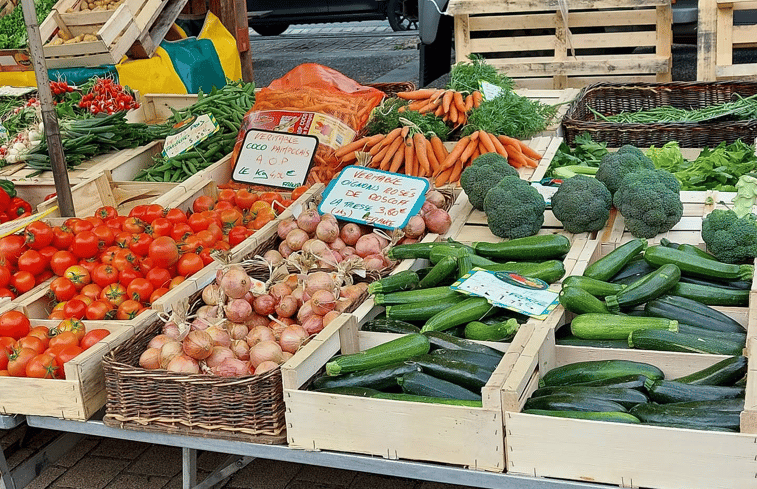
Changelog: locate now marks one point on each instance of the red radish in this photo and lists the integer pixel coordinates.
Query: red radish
(308, 220)
(350, 233)
(438, 221)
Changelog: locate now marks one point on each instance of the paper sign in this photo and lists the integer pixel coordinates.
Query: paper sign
(15, 91)
(191, 132)
(275, 159)
(524, 295)
(545, 191)
(376, 197)
(490, 91)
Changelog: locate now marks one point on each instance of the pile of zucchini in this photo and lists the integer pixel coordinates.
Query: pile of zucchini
(424, 298)
(431, 367)
(657, 298)
(635, 392)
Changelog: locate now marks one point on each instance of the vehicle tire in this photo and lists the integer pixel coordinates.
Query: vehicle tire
(270, 30)
(402, 14)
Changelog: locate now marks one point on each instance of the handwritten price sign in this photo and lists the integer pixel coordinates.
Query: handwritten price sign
(375, 197)
(274, 159)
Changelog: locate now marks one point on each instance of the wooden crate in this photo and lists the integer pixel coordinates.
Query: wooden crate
(535, 42)
(116, 31)
(563, 98)
(155, 108)
(717, 37)
(614, 453)
(470, 437)
(82, 393)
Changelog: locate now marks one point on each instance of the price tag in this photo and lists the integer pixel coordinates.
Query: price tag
(545, 191)
(189, 133)
(489, 90)
(524, 295)
(275, 159)
(6, 91)
(376, 197)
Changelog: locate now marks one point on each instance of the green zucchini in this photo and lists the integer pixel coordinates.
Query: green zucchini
(502, 331)
(711, 296)
(645, 289)
(404, 280)
(422, 384)
(422, 310)
(594, 370)
(379, 378)
(440, 252)
(537, 247)
(426, 399)
(464, 264)
(632, 271)
(573, 402)
(579, 301)
(725, 372)
(442, 269)
(417, 250)
(695, 251)
(548, 270)
(597, 288)
(469, 375)
(724, 335)
(392, 351)
(488, 362)
(623, 396)
(609, 416)
(730, 285)
(614, 327)
(409, 296)
(735, 405)
(613, 262)
(665, 391)
(350, 391)
(691, 312)
(697, 266)
(683, 342)
(635, 381)
(449, 342)
(571, 340)
(387, 325)
(663, 414)
(470, 309)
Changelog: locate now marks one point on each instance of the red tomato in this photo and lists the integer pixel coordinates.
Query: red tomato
(66, 354)
(57, 315)
(159, 277)
(244, 198)
(23, 281)
(202, 203)
(157, 294)
(176, 281)
(139, 289)
(114, 294)
(40, 332)
(90, 264)
(63, 289)
(14, 324)
(206, 256)
(138, 211)
(62, 237)
(270, 197)
(128, 310)
(98, 310)
(164, 252)
(123, 239)
(237, 234)
(116, 223)
(47, 253)
(18, 360)
(146, 264)
(11, 247)
(230, 218)
(91, 291)
(31, 261)
(206, 238)
(105, 236)
(92, 337)
(133, 225)
(105, 275)
(85, 245)
(106, 212)
(31, 342)
(5, 277)
(297, 192)
(226, 194)
(79, 275)
(77, 225)
(180, 231)
(95, 221)
(127, 275)
(38, 235)
(74, 325)
(75, 308)
(152, 212)
(189, 264)
(107, 256)
(125, 259)
(5, 292)
(191, 244)
(64, 338)
(161, 227)
(224, 205)
(198, 222)
(42, 366)
(176, 216)
(140, 244)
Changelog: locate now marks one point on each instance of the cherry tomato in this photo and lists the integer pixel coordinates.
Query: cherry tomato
(161, 227)
(159, 277)
(198, 222)
(127, 275)
(157, 294)
(105, 236)
(77, 225)
(64, 338)
(5, 276)
(133, 225)
(14, 324)
(23, 281)
(244, 198)
(189, 264)
(85, 245)
(152, 212)
(125, 259)
(123, 239)
(11, 247)
(75, 308)
(63, 289)
(176, 216)
(38, 235)
(93, 337)
(106, 212)
(40, 332)
(42, 366)
(180, 231)
(32, 342)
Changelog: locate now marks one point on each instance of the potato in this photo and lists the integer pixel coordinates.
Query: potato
(56, 42)
(89, 37)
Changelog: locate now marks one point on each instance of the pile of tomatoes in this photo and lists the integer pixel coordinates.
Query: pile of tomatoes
(109, 266)
(36, 351)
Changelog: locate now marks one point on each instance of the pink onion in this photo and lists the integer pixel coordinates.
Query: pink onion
(235, 283)
(273, 257)
(183, 364)
(368, 244)
(308, 220)
(241, 349)
(318, 281)
(437, 221)
(265, 350)
(305, 311)
(348, 251)
(407, 240)
(208, 313)
(232, 367)
(327, 230)
(168, 351)
(415, 227)
(313, 324)
(150, 359)
(285, 226)
(292, 280)
(287, 306)
(266, 366)
(197, 344)
(158, 341)
(350, 233)
(219, 336)
(298, 293)
(426, 208)
(314, 246)
(374, 261)
(211, 294)
(218, 354)
(284, 249)
(286, 355)
(329, 217)
(292, 337)
(436, 198)
(199, 324)
(277, 327)
(322, 301)
(264, 304)
(171, 329)
(238, 310)
(330, 316)
(237, 331)
(296, 239)
(337, 244)
(343, 304)
(279, 290)
(256, 319)
(258, 334)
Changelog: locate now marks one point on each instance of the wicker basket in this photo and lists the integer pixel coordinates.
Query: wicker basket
(249, 409)
(610, 99)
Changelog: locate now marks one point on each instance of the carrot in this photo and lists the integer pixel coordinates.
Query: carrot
(498, 146)
(486, 140)
(528, 151)
(433, 161)
(411, 167)
(430, 106)
(511, 141)
(477, 98)
(391, 151)
(468, 102)
(456, 171)
(417, 104)
(353, 146)
(439, 150)
(481, 148)
(476, 153)
(474, 136)
(417, 94)
(515, 156)
(453, 113)
(439, 111)
(457, 99)
(469, 150)
(420, 143)
(531, 163)
(443, 177)
(447, 100)
(453, 155)
(397, 158)
(404, 132)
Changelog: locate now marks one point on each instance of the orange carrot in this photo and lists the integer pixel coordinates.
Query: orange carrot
(433, 162)
(391, 151)
(530, 162)
(443, 177)
(353, 146)
(439, 111)
(447, 100)
(453, 155)
(477, 98)
(416, 94)
(469, 150)
(457, 99)
(515, 156)
(453, 113)
(457, 170)
(468, 102)
(420, 143)
(511, 141)
(481, 148)
(474, 136)
(410, 163)
(486, 140)
(528, 151)
(498, 146)
(404, 132)
(439, 150)
(398, 158)
(417, 104)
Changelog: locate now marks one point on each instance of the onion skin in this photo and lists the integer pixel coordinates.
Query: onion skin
(285, 226)
(287, 306)
(232, 367)
(284, 249)
(273, 257)
(241, 349)
(322, 302)
(183, 364)
(279, 290)
(296, 239)
(238, 310)
(258, 334)
(292, 337)
(256, 319)
(169, 351)
(171, 329)
(369, 244)
(150, 359)
(264, 304)
(374, 262)
(350, 233)
(266, 367)
(198, 345)
(219, 336)
(218, 355)
(318, 281)
(437, 221)
(415, 227)
(211, 294)
(237, 331)
(330, 316)
(337, 244)
(158, 341)
(327, 230)
(265, 350)
(308, 220)
(313, 324)
(435, 197)
(235, 283)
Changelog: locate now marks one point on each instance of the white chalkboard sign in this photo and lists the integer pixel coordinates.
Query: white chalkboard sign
(375, 197)
(274, 159)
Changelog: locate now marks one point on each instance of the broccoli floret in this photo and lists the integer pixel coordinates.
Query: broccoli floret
(730, 238)
(582, 204)
(514, 209)
(614, 166)
(482, 175)
(648, 205)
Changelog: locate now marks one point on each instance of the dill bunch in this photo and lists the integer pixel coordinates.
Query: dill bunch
(466, 76)
(386, 117)
(512, 115)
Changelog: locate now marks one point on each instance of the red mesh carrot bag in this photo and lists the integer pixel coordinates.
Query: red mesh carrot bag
(315, 100)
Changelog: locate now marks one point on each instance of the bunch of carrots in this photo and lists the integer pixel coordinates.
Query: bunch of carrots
(450, 105)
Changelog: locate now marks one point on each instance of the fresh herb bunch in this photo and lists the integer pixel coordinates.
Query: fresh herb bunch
(13, 29)
(743, 108)
(511, 115)
(466, 77)
(586, 152)
(387, 116)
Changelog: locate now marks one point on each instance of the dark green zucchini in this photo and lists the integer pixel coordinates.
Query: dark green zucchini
(439, 339)
(350, 391)
(396, 350)
(379, 378)
(549, 270)
(668, 414)
(695, 251)
(691, 312)
(725, 372)
(633, 270)
(696, 266)
(404, 280)
(422, 310)
(593, 370)
(675, 341)
(425, 295)
(426, 399)
(502, 331)
(571, 340)
(417, 250)
(573, 402)
(469, 375)
(442, 269)
(613, 262)
(623, 396)
(537, 247)
(422, 384)
(579, 301)
(625, 381)
(440, 252)
(666, 391)
(597, 288)
(731, 285)
(711, 296)
(735, 405)
(723, 335)
(645, 289)
(593, 326)
(488, 362)
(465, 311)
(387, 325)
(608, 416)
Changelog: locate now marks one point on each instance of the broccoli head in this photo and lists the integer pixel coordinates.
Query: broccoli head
(614, 166)
(482, 175)
(582, 204)
(514, 209)
(648, 205)
(730, 238)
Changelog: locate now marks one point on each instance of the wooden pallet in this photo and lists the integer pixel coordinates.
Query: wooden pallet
(534, 42)
(561, 98)
(717, 37)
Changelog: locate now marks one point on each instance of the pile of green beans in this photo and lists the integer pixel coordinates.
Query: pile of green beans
(743, 108)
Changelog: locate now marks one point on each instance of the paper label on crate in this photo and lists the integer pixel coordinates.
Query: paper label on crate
(490, 90)
(15, 91)
(546, 191)
(330, 131)
(524, 295)
(375, 197)
(3, 133)
(189, 133)
(274, 159)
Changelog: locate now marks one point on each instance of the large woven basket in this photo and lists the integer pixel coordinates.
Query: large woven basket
(611, 99)
(249, 409)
